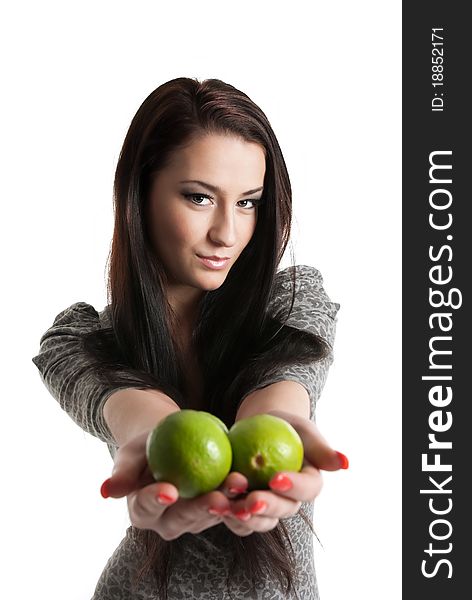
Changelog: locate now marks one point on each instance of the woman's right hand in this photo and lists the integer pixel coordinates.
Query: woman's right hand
(156, 505)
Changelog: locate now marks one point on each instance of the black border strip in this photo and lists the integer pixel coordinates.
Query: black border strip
(437, 331)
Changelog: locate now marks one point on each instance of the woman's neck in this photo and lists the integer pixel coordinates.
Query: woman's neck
(184, 301)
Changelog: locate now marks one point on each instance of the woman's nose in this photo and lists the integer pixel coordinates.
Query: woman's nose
(223, 228)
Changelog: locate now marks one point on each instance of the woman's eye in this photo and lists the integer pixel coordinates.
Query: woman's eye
(194, 198)
(254, 204)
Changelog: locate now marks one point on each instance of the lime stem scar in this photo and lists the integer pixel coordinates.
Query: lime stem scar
(258, 461)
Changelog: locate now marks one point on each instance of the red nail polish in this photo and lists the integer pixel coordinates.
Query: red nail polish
(243, 514)
(237, 490)
(281, 483)
(258, 507)
(343, 460)
(104, 491)
(164, 498)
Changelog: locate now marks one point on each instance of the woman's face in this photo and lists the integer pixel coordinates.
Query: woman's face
(203, 204)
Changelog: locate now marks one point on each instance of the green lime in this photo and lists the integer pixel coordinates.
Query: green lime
(218, 421)
(191, 450)
(263, 445)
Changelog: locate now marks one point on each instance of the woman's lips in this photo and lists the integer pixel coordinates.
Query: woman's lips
(212, 263)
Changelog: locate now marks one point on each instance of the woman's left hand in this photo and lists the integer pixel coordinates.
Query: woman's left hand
(261, 510)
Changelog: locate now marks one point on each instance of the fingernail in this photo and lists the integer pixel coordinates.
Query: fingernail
(164, 498)
(258, 507)
(281, 483)
(243, 514)
(218, 511)
(343, 460)
(237, 490)
(104, 491)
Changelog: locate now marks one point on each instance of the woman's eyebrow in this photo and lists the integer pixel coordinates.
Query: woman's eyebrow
(216, 190)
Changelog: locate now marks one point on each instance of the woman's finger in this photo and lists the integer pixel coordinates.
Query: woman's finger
(130, 470)
(264, 504)
(193, 514)
(303, 486)
(234, 485)
(317, 450)
(319, 453)
(148, 503)
(243, 529)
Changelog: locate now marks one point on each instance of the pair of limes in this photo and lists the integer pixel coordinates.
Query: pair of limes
(194, 450)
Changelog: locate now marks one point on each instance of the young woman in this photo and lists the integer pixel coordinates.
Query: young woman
(199, 317)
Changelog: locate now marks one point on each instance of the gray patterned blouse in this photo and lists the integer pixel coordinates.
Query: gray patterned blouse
(201, 571)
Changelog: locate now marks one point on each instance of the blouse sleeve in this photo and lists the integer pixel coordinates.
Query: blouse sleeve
(312, 311)
(66, 370)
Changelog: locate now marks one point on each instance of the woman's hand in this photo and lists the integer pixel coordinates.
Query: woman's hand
(261, 510)
(156, 505)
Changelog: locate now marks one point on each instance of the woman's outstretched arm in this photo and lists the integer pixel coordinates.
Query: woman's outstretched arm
(260, 510)
(68, 374)
(122, 417)
(289, 400)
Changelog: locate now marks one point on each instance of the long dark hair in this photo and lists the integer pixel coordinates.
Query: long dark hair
(238, 342)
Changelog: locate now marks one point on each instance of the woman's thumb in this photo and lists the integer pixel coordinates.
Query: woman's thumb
(319, 452)
(130, 471)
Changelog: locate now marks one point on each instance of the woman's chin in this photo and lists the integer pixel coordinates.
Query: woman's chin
(212, 281)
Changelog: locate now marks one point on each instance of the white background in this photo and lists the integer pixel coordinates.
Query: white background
(328, 77)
